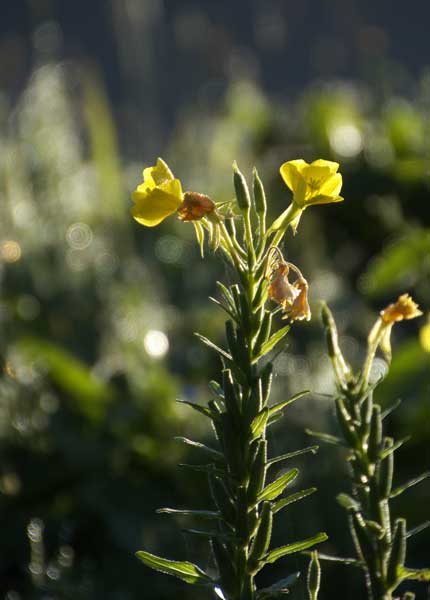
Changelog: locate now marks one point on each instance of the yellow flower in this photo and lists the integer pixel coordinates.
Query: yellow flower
(315, 183)
(159, 196)
(380, 335)
(403, 308)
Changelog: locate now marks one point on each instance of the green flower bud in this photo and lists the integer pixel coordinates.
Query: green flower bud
(241, 188)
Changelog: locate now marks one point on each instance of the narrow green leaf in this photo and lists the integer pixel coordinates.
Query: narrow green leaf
(186, 571)
(418, 529)
(211, 451)
(224, 307)
(259, 423)
(213, 346)
(276, 459)
(200, 235)
(227, 296)
(215, 533)
(262, 538)
(266, 381)
(375, 435)
(391, 408)
(272, 342)
(397, 556)
(402, 488)
(277, 407)
(346, 561)
(280, 504)
(394, 447)
(274, 489)
(210, 515)
(204, 410)
(278, 553)
(325, 437)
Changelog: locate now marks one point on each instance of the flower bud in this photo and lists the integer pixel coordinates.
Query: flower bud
(259, 194)
(242, 192)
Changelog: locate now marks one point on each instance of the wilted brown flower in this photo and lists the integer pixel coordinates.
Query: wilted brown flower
(195, 206)
(403, 308)
(291, 296)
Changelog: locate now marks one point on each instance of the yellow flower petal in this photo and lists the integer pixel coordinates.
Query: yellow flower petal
(155, 176)
(333, 166)
(332, 186)
(290, 172)
(316, 175)
(153, 205)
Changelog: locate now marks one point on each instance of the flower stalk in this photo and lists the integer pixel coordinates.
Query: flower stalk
(380, 541)
(245, 494)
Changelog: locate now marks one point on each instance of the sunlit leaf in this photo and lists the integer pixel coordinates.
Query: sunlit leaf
(278, 553)
(186, 571)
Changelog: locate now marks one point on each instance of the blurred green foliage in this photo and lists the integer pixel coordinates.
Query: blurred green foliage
(97, 315)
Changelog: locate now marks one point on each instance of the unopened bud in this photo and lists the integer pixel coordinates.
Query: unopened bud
(241, 188)
(259, 194)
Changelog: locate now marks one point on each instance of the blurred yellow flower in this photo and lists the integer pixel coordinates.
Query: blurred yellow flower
(425, 335)
(159, 196)
(380, 335)
(403, 308)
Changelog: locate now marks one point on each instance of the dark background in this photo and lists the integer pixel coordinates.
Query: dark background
(89, 94)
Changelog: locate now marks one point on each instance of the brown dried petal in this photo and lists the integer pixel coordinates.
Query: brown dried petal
(195, 206)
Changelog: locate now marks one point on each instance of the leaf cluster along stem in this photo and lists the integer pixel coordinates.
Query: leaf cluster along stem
(379, 541)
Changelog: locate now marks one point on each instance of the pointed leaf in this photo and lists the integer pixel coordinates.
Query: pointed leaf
(394, 447)
(200, 235)
(277, 407)
(278, 553)
(418, 529)
(259, 423)
(347, 561)
(211, 451)
(209, 515)
(186, 571)
(213, 346)
(204, 410)
(391, 408)
(216, 533)
(274, 489)
(402, 488)
(280, 504)
(272, 342)
(325, 437)
(276, 459)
